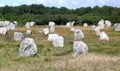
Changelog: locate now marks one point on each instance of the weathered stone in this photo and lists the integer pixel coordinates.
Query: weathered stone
(11, 26)
(104, 36)
(101, 24)
(107, 23)
(51, 23)
(3, 30)
(28, 32)
(52, 26)
(2, 23)
(97, 30)
(116, 27)
(79, 47)
(15, 22)
(52, 29)
(72, 29)
(6, 23)
(58, 41)
(29, 24)
(46, 31)
(18, 36)
(27, 48)
(51, 37)
(85, 25)
(78, 34)
(93, 27)
(70, 24)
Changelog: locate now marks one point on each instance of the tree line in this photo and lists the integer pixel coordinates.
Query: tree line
(42, 15)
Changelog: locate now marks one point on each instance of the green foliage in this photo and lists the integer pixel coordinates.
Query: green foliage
(42, 15)
(90, 18)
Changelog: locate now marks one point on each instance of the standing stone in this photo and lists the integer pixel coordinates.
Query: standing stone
(32, 24)
(70, 24)
(78, 34)
(46, 31)
(52, 29)
(51, 37)
(27, 48)
(52, 26)
(115, 24)
(93, 27)
(79, 47)
(18, 36)
(104, 36)
(28, 32)
(97, 30)
(58, 41)
(1, 23)
(11, 26)
(107, 23)
(15, 22)
(6, 23)
(116, 27)
(3, 30)
(72, 29)
(101, 24)
(29, 24)
(85, 25)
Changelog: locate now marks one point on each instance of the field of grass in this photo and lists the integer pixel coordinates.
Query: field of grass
(102, 56)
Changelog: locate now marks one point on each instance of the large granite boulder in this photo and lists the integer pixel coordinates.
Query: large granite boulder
(116, 27)
(104, 36)
(78, 34)
(27, 48)
(79, 47)
(18, 36)
(58, 41)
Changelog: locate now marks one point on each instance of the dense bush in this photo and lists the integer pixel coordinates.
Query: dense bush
(42, 15)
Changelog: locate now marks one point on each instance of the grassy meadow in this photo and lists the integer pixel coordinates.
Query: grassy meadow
(102, 56)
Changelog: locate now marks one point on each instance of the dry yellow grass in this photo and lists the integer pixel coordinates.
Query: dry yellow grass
(88, 62)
